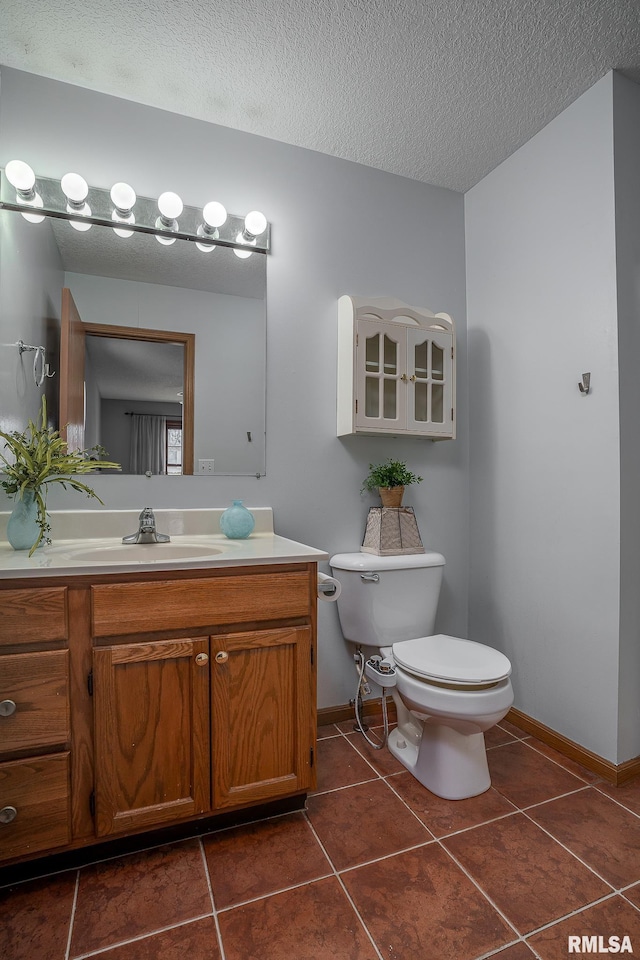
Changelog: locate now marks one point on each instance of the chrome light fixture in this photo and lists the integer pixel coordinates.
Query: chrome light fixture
(167, 218)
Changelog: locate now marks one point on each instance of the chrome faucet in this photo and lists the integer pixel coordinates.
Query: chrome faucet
(147, 532)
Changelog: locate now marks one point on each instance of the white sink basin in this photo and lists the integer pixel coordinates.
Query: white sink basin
(136, 552)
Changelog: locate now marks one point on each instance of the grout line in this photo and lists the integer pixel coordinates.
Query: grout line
(568, 849)
(532, 746)
(572, 913)
(73, 915)
(345, 891)
(211, 897)
(142, 936)
(274, 893)
(347, 786)
(613, 799)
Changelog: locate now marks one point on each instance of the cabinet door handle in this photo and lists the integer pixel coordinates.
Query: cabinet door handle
(404, 378)
(7, 814)
(222, 656)
(201, 659)
(7, 707)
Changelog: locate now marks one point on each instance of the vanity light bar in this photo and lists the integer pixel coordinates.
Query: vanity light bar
(126, 213)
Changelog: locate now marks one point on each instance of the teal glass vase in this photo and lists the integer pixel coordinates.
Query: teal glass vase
(237, 522)
(22, 527)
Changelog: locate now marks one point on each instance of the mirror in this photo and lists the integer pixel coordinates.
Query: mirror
(140, 303)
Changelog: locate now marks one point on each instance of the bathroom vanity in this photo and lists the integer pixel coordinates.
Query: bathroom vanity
(141, 691)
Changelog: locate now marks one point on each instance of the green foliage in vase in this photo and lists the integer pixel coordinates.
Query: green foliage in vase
(391, 473)
(37, 457)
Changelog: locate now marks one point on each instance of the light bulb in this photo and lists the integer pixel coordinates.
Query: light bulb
(123, 198)
(20, 175)
(242, 254)
(85, 211)
(255, 223)
(214, 214)
(74, 187)
(23, 179)
(170, 205)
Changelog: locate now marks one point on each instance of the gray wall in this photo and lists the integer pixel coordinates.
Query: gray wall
(545, 460)
(338, 227)
(627, 204)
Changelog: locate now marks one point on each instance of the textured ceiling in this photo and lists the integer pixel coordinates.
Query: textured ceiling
(439, 91)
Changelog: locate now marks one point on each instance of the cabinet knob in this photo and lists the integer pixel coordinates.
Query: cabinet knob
(404, 378)
(7, 814)
(7, 707)
(222, 656)
(201, 659)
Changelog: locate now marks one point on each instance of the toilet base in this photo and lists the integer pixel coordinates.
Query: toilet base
(450, 764)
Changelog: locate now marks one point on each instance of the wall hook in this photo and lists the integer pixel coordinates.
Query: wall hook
(585, 386)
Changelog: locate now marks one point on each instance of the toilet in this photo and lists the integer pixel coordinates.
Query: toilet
(447, 690)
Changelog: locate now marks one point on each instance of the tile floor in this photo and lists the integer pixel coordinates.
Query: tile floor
(376, 868)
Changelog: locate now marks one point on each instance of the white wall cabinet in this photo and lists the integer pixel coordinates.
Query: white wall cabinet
(396, 370)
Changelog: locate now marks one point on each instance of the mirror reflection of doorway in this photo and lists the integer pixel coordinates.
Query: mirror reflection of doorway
(138, 403)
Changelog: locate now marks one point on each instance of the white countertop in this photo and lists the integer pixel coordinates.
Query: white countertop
(95, 553)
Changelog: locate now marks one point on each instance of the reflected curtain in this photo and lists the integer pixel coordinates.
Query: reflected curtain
(148, 443)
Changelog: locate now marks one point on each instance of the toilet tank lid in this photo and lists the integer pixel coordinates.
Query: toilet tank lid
(371, 561)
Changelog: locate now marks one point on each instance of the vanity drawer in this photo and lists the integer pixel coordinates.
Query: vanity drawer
(34, 700)
(33, 616)
(34, 805)
(126, 608)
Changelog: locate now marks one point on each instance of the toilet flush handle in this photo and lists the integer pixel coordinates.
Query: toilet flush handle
(369, 577)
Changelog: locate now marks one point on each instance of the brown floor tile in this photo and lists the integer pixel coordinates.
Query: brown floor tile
(137, 894)
(448, 816)
(571, 765)
(511, 728)
(628, 794)
(35, 918)
(260, 858)
(633, 894)
(494, 736)
(605, 836)
(529, 876)
(518, 951)
(382, 761)
(195, 941)
(371, 720)
(419, 904)
(525, 777)
(327, 730)
(363, 823)
(314, 922)
(614, 917)
(340, 765)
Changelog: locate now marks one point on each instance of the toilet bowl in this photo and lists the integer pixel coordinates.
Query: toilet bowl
(448, 691)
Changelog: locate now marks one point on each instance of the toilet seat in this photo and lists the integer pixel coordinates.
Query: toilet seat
(451, 660)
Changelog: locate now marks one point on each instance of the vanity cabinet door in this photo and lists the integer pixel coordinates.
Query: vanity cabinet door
(263, 715)
(151, 709)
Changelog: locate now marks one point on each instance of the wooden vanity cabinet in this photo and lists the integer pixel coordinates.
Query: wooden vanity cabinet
(198, 698)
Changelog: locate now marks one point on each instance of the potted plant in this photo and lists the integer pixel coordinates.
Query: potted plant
(37, 457)
(390, 478)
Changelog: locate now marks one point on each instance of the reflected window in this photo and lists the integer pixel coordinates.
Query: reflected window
(174, 446)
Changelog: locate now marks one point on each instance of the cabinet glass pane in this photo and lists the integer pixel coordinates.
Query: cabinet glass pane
(390, 356)
(421, 392)
(372, 354)
(420, 361)
(371, 397)
(437, 404)
(389, 395)
(437, 362)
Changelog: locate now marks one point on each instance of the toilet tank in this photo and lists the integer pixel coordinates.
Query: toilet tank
(387, 599)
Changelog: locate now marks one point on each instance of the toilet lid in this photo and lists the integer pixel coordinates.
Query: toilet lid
(451, 659)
